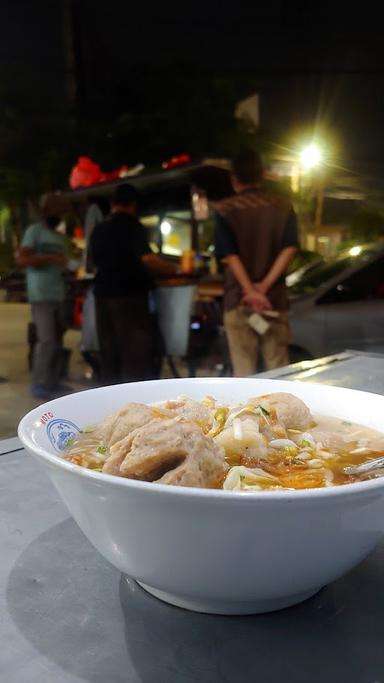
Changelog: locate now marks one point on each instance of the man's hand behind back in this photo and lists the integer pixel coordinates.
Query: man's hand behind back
(257, 301)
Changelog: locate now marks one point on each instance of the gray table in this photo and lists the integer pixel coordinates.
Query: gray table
(353, 369)
(67, 616)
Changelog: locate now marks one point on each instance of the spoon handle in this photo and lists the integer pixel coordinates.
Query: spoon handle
(365, 466)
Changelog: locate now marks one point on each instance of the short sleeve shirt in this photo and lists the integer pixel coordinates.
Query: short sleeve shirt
(117, 247)
(255, 226)
(226, 243)
(45, 284)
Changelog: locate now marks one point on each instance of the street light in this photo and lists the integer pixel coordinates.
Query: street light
(310, 157)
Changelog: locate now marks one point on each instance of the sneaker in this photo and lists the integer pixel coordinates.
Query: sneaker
(41, 391)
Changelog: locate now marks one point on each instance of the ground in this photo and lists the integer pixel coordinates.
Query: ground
(15, 398)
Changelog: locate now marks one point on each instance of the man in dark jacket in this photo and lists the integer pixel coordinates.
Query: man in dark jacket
(124, 265)
(257, 237)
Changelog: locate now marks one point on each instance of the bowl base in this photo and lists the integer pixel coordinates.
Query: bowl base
(229, 607)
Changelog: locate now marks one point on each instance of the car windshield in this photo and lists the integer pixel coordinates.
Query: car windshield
(320, 274)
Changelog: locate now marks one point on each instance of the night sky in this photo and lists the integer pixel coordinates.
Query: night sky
(322, 63)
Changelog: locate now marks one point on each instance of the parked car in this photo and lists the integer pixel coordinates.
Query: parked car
(297, 275)
(340, 305)
(303, 261)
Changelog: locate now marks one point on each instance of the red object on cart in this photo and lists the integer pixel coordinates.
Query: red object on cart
(181, 160)
(78, 312)
(87, 172)
(78, 233)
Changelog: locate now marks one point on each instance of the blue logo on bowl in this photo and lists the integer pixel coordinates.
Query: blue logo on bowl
(60, 433)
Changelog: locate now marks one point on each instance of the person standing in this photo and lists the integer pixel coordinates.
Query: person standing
(256, 234)
(97, 211)
(124, 264)
(43, 255)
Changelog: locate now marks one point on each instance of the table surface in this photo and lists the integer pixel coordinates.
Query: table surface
(352, 369)
(66, 615)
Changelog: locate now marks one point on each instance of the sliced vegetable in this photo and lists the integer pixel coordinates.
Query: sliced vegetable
(283, 443)
(315, 463)
(246, 478)
(265, 407)
(237, 429)
(304, 455)
(220, 418)
(307, 442)
(261, 411)
(88, 429)
(298, 461)
(244, 410)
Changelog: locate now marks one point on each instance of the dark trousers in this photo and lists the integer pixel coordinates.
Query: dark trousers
(125, 332)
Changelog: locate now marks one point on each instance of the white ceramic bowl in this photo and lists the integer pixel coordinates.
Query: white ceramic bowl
(214, 551)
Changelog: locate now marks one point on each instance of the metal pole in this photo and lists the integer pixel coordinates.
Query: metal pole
(319, 211)
(194, 223)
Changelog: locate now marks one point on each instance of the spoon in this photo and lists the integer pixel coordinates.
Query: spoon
(365, 467)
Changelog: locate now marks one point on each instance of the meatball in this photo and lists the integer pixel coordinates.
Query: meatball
(191, 410)
(169, 452)
(291, 412)
(121, 424)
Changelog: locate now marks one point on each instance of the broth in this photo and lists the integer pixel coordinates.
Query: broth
(269, 442)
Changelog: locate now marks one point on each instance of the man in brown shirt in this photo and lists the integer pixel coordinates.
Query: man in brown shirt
(257, 236)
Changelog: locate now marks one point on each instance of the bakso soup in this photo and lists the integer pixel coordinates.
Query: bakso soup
(266, 443)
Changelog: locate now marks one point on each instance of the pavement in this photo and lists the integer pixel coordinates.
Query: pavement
(15, 398)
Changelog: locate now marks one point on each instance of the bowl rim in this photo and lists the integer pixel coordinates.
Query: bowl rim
(56, 461)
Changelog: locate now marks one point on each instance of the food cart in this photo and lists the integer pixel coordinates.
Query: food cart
(174, 208)
(169, 203)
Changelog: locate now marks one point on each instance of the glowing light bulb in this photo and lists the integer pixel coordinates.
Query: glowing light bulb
(310, 156)
(165, 228)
